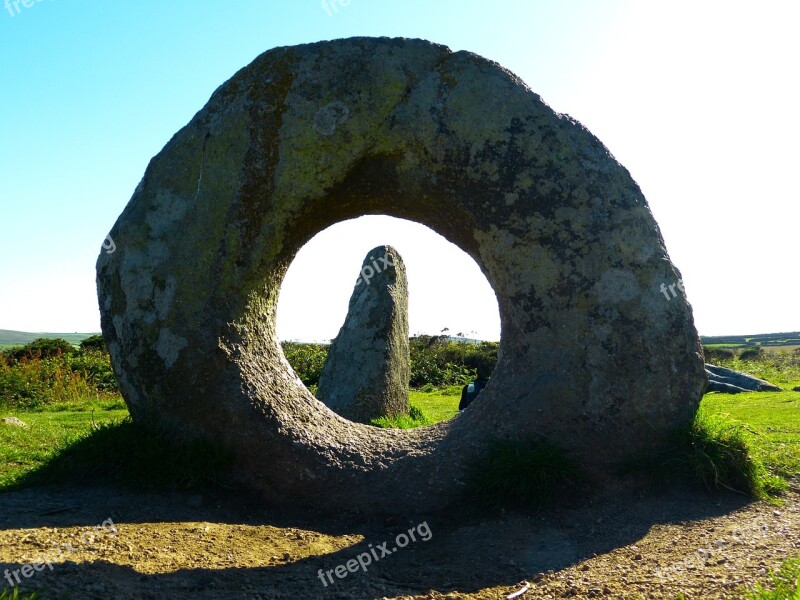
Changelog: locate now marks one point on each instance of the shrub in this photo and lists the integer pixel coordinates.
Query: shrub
(48, 372)
(95, 367)
(307, 360)
(440, 362)
(435, 361)
(714, 355)
(95, 343)
(41, 348)
(752, 353)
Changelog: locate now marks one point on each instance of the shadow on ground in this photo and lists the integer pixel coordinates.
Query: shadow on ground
(467, 551)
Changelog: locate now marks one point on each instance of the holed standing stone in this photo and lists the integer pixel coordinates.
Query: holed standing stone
(367, 370)
(592, 357)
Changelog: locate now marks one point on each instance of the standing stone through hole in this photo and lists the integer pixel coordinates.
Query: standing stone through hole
(367, 370)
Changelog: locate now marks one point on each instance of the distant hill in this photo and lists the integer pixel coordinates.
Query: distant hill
(760, 339)
(19, 338)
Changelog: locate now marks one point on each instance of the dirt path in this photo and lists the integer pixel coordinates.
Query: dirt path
(179, 546)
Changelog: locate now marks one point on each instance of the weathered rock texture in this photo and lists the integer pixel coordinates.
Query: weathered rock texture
(592, 357)
(368, 365)
(729, 381)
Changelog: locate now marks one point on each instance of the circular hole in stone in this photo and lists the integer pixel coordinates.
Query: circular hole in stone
(453, 315)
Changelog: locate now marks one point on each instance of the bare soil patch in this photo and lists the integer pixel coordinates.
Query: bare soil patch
(622, 545)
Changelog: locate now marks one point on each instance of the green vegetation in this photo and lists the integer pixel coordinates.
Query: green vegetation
(40, 348)
(307, 360)
(133, 454)
(785, 584)
(521, 476)
(438, 404)
(415, 418)
(428, 406)
(47, 372)
(77, 423)
(714, 452)
(768, 421)
(764, 339)
(47, 435)
(438, 361)
(749, 442)
(73, 446)
(16, 595)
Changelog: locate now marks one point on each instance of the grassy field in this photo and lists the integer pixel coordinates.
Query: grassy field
(770, 421)
(437, 405)
(771, 424)
(763, 339)
(61, 414)
(22, 450)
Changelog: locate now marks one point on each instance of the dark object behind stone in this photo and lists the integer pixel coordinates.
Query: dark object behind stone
(468, 396)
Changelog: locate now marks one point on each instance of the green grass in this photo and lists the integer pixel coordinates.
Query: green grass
(415, 418)
(716, 453)
(103, 446)
(513, 474)
(770, 423)
(427, 407)
(26, 450)
(16, 595)
(437, 404)
(785, 584)
(720, 456)
(731, 346)
(741, 441)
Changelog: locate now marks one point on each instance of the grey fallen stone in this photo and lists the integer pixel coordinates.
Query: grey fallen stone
(13, 421)
(367, 369)
(722, 379)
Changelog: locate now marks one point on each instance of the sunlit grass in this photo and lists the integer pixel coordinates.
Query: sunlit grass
(770, 423)
(23, 450)
(437, 404)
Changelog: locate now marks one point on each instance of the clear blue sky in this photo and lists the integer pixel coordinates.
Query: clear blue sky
(698, 100)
